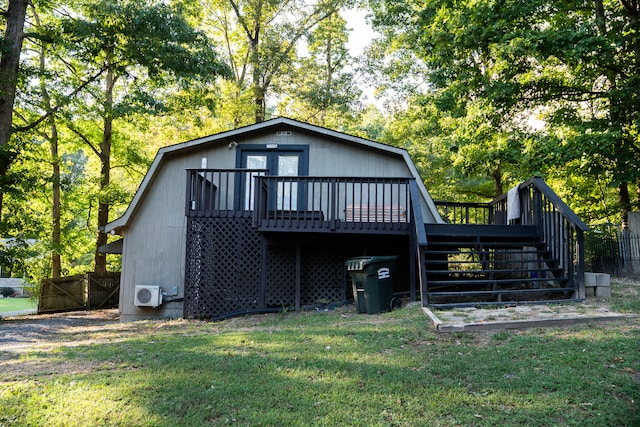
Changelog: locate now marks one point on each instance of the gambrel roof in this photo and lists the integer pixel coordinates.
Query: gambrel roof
(225, 138)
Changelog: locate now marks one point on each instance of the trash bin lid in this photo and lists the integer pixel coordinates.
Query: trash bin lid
(354, 264)
(359, 263)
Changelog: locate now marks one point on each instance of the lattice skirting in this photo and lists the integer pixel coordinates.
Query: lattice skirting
(224, 270)
(322, 276)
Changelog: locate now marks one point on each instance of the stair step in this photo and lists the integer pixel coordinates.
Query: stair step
(481, 232)
(486, 282)
(503, 303)
(453, 245)
(458, 251)
(497, 271)
(500, 292)
(489, 261)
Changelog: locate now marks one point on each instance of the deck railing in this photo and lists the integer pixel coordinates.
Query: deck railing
(332, 203)
(221, 192)
(300, 202)
(558, 226)
(464, 212)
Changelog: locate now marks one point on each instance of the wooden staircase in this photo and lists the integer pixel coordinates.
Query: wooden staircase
(523, 247)
(481, 264)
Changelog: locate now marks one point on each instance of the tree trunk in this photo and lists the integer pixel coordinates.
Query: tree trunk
(498, 187)
(56, 264)
(258, 91)
(259, 104)
(625, 205)
(105, 172)
(9, 64)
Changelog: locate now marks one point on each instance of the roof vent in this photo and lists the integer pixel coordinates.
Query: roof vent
(284, 133)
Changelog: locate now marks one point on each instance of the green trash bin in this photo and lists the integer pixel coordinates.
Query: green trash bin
(372, 278)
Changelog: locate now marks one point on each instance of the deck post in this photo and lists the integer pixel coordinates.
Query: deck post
(333, 205)
(262, 297)
(297, 297)
(424, 291)
(537, 212)
(580, 264)
(413, 255)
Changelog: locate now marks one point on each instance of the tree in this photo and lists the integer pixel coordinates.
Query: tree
(576, 62)
(137, 48)
(10, 48)
(454, 55)
(319, 90)
(261, 39)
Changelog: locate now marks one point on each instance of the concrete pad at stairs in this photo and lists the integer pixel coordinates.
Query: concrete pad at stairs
(469, 319)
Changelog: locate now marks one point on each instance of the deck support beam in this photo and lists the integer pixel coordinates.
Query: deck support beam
(298, 274)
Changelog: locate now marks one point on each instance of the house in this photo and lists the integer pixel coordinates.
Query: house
(266, 216)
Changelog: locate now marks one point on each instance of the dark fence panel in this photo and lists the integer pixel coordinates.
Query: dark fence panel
(80, 292)
(103, 290)
(62, 294)
(609, 250)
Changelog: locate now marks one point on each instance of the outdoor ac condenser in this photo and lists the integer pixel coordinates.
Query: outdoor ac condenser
(148, 296)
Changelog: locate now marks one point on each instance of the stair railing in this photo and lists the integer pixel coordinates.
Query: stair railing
(464, 212)
(418, 244)
(558, 226)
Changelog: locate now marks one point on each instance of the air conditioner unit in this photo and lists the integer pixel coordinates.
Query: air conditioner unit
(148, 296)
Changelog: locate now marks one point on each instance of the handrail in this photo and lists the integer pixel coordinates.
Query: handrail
(561, 206)
(558, 226)
(416, 214)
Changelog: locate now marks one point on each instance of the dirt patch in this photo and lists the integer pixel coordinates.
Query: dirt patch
(22, 335)
(33, 332)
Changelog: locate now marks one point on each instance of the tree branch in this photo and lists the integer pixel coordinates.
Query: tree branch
(59, 106)
(83, 138)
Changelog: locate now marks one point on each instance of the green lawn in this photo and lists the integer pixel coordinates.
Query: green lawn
(13, 304)
(325, 369)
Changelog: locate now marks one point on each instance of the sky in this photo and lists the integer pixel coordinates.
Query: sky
(359, 38)
(361, 32)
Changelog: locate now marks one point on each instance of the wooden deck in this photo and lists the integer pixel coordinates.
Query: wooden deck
(481, 256)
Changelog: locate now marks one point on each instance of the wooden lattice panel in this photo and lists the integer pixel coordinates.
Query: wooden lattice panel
(222, 267)
(281, 276)
(323, 276)
(223, 270)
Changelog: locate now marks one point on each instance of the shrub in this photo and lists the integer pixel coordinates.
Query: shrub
(7, 291)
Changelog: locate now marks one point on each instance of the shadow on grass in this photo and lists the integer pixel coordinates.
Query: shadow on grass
(379, 370)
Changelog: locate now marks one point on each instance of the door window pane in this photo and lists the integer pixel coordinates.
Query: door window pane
(288, 191)
(253, 162)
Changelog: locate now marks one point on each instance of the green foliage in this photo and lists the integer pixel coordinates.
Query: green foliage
(261, 41)
(7, 291)
(319, 90)
(149, 43)
(104, 66)
(493, 65)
